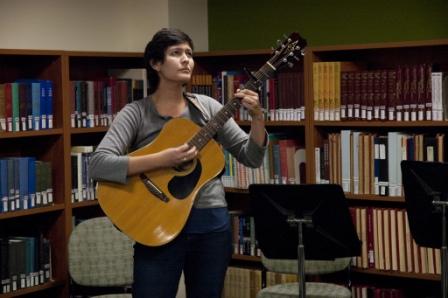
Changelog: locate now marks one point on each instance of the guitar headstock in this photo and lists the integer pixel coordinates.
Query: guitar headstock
(289, 50)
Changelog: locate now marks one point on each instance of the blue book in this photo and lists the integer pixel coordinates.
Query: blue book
(3, 185)
(48, 85)
(32, 182)
(78, 99)
(23, 182)
(13, 184)
(43, 106)
(36, 102)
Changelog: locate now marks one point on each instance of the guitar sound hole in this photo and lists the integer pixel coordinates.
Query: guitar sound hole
(182, 186)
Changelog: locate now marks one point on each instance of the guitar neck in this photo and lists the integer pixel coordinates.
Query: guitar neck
(229, 109)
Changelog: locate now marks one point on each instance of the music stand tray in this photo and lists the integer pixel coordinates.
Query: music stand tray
(314, 216)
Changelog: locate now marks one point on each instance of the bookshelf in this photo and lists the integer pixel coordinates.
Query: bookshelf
(54, 145)
(376, 58)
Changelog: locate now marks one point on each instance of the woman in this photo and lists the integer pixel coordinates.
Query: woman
(203, 248)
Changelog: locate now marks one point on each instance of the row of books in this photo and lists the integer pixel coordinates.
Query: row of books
(284, 163)
(96, 102)
(282, 97)
(26, 104)
(24, 262)
(24, 183)
(83, 186)
(246, 283)
(387, 242)
(368, 163)
(243, 235)
(364, 291)
(344, 91)
(242, 283)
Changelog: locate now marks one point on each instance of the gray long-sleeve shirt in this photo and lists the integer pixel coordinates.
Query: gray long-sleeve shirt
(138, 123)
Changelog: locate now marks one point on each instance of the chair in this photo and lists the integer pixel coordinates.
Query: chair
(101, 257)
(313, 289)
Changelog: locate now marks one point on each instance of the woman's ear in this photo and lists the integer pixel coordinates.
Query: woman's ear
(155, 65)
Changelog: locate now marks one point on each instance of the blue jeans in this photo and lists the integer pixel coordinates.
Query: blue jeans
(202, 257)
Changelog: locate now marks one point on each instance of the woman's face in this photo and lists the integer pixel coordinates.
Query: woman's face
(178, 64)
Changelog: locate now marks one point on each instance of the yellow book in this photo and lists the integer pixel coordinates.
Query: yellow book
(331, 90)
(316, 90)
(337, 89)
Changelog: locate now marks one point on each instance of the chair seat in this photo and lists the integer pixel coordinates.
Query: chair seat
(313, 290)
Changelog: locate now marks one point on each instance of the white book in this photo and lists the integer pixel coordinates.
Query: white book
(436, 95)
(299, 160)
(317, 164)
(345, 158)
(391, 162)
(355, 154)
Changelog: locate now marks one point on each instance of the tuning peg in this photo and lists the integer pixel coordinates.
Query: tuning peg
(290, 64)
(296, 58)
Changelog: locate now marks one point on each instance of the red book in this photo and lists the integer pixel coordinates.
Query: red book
(364, 94)
(421, 109)
(357, 95)
(370, 239)
(406, 94)
(413, 92)
(428, 92)
(344, 95)
(391, 94)
(382, 94)
(399, 94)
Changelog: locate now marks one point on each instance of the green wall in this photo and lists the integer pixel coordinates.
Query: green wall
(252, 24)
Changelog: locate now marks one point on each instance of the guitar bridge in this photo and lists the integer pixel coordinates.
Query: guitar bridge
(152, 188)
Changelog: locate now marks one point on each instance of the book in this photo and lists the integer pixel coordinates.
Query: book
(2, 108)
(138, 77)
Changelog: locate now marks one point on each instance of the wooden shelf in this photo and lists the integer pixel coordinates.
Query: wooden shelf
(100, 129)
(375, 198)
(34, 133)
(276, 123)
(83, 204)
(386, 124)
(237, 190)
(434, 277)
(246, 258)
(33, 211)
(36, 289)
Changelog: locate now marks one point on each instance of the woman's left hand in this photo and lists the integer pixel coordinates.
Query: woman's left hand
(250, 100)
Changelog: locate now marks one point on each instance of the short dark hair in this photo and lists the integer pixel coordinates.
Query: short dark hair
(155, 51)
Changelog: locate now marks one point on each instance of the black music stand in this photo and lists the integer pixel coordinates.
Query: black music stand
(426, 194)
(289, 218)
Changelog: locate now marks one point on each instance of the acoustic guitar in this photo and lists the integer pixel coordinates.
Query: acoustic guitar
(153, 207)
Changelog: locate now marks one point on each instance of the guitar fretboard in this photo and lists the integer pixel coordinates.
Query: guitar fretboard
(208, 131)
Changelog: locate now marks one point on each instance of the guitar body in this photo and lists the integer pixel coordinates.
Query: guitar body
(142, 215)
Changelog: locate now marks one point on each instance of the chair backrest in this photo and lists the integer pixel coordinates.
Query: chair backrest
(311, 266)
(100, 255)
